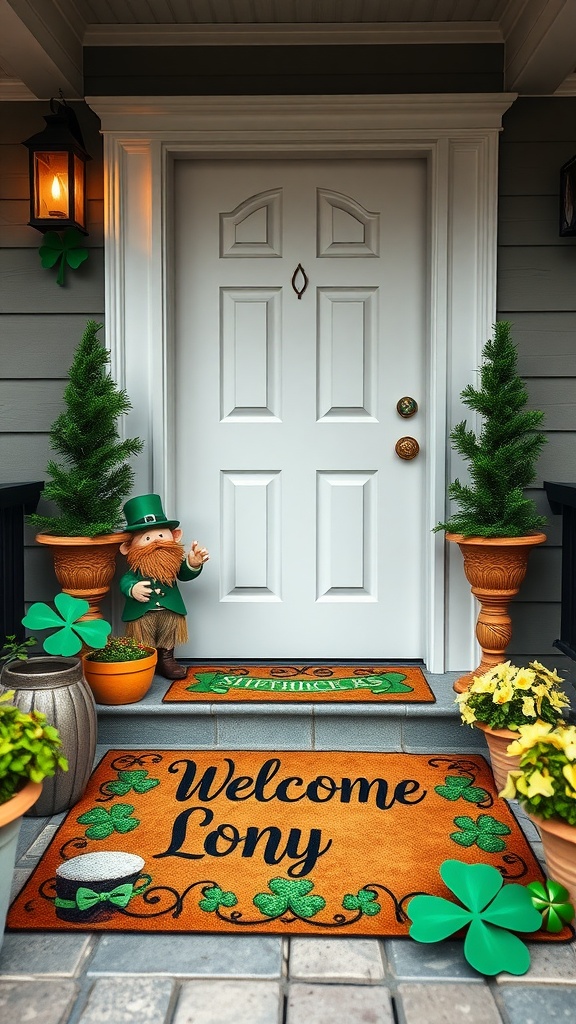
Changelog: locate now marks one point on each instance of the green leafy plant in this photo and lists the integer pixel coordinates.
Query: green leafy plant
(70, 633)
(545, 782)
(502, 457)
(120, 648)
(93, 477)
(30, 749)
(487, 909)
(507, 697)
(16, 650)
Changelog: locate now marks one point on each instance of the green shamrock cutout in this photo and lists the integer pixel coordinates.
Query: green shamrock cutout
(485, 832)
(67, 247)
(126, 781)
(215, 898)
(103, 823)
(456, 786)
(365, 901)
(390, 682)
(70, 633)
(289, 895)
(489, 909)
(552, 901)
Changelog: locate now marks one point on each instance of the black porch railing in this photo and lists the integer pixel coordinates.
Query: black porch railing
(16, 501)
(562, 499)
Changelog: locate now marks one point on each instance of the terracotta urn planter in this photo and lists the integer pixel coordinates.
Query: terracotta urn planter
(495, 568)
(559, 842)
(11, 814)
(120, 682)
(85, 566)
(500, 761)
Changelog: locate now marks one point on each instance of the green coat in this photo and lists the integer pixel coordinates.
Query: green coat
(169, 596)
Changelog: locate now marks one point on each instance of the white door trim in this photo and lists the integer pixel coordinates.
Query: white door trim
(457, 135)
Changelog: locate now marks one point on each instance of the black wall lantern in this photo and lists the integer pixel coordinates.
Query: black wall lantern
(57, 171)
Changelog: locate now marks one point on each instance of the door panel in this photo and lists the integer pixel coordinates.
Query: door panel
(286, 384)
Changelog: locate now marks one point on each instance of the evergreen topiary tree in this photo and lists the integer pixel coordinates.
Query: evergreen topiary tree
(502, 458)
(93, 478)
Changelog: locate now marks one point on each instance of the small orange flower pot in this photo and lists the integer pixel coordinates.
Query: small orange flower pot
(120, 682)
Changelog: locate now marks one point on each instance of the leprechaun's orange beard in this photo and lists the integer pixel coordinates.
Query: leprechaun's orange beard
(160, 560)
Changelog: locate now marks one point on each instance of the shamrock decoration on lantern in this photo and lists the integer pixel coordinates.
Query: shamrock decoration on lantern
(487, 908)
(67, 250)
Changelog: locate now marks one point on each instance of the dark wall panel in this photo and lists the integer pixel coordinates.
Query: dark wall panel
(291, 70)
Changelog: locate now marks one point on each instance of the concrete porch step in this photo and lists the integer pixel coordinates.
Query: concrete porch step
(371, 726)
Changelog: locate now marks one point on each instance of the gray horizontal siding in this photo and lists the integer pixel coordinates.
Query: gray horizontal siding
(537, 278)
(26, 287)
(537, 293)
(546, 341)
(30, 406)
(41, 345)
(556, 398)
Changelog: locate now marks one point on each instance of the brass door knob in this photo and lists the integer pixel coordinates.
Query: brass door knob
(407, 448)
(407, 407)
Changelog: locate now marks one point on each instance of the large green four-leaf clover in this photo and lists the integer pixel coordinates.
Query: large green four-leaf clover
(289, 895)
(485, 832)
(488, 908)
(70, 633)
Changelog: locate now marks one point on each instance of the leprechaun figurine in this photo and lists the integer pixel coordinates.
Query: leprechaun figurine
(154, 612)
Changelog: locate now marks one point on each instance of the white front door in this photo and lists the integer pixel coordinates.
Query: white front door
(300, 318)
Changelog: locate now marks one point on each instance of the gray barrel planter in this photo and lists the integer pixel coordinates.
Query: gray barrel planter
(56, 687)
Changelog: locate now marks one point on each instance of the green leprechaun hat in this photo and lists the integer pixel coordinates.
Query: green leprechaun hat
(146, 512)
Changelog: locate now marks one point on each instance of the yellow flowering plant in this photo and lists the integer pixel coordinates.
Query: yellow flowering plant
(545, 782)
(507, 697)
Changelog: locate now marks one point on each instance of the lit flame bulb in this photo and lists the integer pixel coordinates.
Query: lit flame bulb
(56, 191)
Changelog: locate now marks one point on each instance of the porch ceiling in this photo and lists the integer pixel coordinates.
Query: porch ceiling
(41, 41)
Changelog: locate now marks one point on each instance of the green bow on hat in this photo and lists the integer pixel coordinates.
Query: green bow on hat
(86, 899)
(145, 512)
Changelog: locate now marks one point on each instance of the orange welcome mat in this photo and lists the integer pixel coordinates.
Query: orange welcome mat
(301, 683)
(297, 842)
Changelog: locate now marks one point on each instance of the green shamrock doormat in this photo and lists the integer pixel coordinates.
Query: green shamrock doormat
(296, 842)
(302, 683)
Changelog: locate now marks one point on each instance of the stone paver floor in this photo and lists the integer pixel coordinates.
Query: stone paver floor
(73, 978)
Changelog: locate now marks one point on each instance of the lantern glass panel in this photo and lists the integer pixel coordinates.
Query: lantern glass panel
(51, 190)
(79, 199)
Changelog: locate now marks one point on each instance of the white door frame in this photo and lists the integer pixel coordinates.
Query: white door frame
(456, 134)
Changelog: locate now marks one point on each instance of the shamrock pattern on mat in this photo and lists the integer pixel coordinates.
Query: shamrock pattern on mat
(127, 780)
(485, 832)
(215, 897)
(364, 900)
(104, 822)
(460, 786)
(289, 895)
(488, 908)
